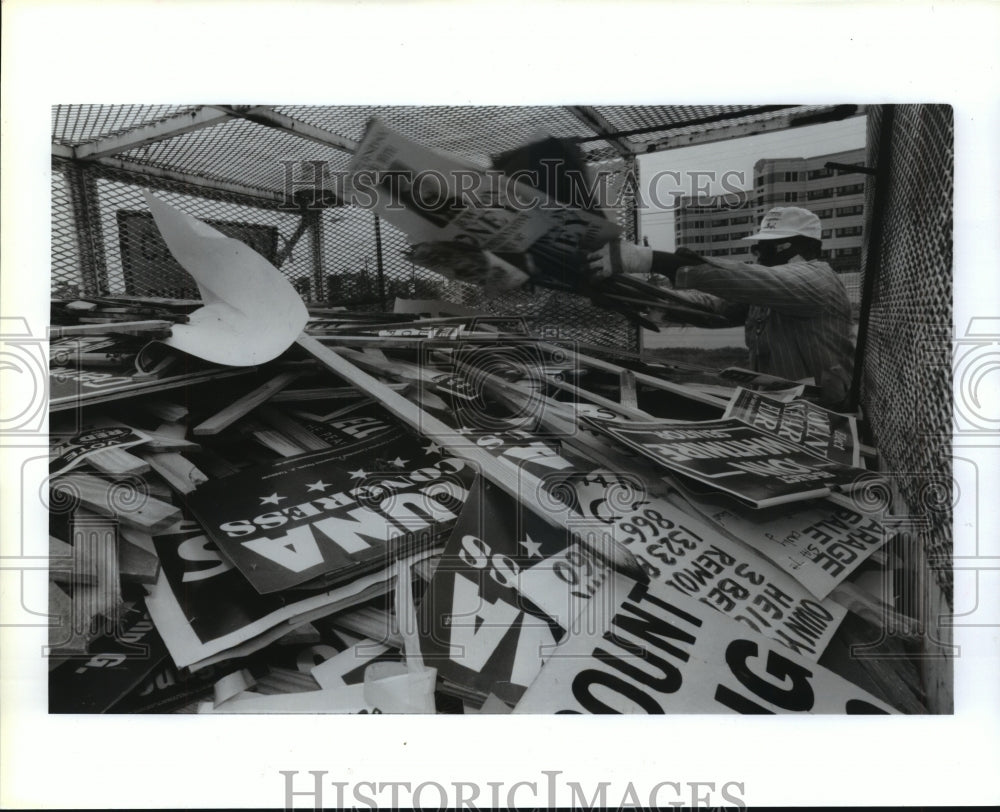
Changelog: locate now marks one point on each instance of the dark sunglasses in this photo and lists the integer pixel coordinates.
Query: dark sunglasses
(769, 247)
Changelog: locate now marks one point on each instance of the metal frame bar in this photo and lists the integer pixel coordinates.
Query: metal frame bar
(262, 197)
(89, 237)
(590, 117)
(726, 133)
(292, 241)
(150, 133)
(268, 117)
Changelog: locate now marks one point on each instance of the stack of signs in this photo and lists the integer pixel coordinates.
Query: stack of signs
(826, 434)
(738, 376)
(660, 652)
(819, 543)
(299, 538)
(680, 551)
(87, 443)
(324, 519)
(506, 589)
(96, 369)
(207, 612)
(757, 467)
(357, 423)
(116, 665)
(424, 194)
(668, 544)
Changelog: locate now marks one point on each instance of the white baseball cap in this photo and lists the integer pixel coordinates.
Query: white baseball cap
(788, 221)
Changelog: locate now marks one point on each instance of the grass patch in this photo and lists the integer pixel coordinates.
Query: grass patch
(717, 358)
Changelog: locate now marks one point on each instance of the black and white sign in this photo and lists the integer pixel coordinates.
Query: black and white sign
(663, 653)
(755, 466)
(480, 627)
(328, 517)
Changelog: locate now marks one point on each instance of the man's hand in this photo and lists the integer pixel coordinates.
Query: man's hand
(624, 257)
(619, 257)
(688, 257)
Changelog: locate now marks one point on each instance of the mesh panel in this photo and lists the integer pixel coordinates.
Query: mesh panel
(472, 132)
(67, 267)
(674, 119)
(239, 151)
(906, 384)
(351, 260)
(81, 123)
(129, 257)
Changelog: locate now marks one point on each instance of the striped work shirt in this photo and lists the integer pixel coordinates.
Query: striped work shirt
(797, 315)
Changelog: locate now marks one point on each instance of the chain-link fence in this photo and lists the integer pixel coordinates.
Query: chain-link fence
(906, 372)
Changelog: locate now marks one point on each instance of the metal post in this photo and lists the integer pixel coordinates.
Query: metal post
(89, 234)
(632, 234)
(319, 261)
(378, 262)
(630, 222)
(292, 241)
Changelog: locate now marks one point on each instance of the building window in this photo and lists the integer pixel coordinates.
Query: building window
(791, 177)
(853, 189)
(815, 174)
(826, 233)
(850, 231)
(791, 197)
(819, 194)
(847, 211)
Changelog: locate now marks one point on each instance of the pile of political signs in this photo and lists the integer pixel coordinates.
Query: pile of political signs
(255, 508)
(467, 519)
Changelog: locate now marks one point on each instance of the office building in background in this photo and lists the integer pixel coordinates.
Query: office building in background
(715, 226)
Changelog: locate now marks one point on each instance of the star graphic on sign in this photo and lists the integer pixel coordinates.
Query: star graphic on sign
(433, 448)
(273, 499)
(532, 547)
(359, 474)
(398, 462)
(319, 485)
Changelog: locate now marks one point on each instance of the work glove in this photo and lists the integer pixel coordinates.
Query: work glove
(619, 257)
(835, 385)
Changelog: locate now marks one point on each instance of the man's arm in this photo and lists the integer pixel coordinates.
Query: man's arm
(626, 258)
(734, 312)
(798, 287)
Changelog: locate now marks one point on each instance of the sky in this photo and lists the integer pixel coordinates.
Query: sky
(736, 157)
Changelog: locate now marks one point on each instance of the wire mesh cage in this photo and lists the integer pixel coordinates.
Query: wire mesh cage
(907, 379)
(249, 171)
(264, 186)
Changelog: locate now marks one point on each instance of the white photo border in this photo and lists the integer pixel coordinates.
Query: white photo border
(512, 53)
